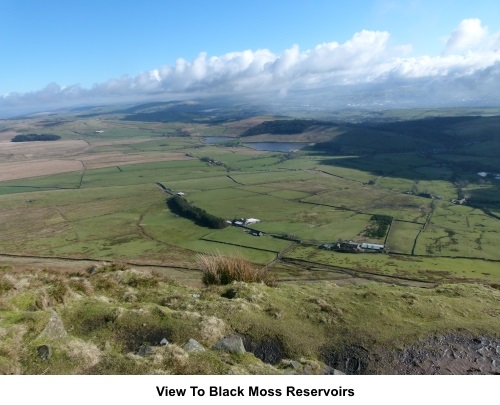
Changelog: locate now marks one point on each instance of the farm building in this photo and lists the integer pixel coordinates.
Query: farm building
(348, 247)
(372, 246)
(353, 247)
(245, 222)
(251, 221)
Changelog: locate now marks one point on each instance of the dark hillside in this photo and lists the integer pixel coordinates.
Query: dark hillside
(281, 127)
(438, 129)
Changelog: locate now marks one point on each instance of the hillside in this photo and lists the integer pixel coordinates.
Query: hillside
(112, 320)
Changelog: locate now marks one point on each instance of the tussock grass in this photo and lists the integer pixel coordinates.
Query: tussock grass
(222, 270)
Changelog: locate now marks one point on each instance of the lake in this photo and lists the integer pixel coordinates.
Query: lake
(276, 146)
(217, 139)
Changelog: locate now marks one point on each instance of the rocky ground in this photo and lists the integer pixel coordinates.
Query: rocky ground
(451, 354)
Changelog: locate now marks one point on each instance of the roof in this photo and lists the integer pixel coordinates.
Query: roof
(371, 246)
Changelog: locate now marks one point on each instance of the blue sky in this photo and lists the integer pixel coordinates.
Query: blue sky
(93, 46)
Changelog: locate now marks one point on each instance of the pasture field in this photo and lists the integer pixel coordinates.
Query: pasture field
(240, 237)
(431, 269)
(460, 231)
(99, 198)
(402, 236)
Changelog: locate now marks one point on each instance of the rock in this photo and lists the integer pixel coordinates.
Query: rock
(230, 343)
(164, 342)
(269, 350)
(55, 328)
(291, 364)
(44, 352)
(307, 367)
(193, 346)
(332, 371)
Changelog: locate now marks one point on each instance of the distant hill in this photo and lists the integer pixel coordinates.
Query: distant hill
(287, 127)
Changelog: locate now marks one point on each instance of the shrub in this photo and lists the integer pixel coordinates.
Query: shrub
(222, 270)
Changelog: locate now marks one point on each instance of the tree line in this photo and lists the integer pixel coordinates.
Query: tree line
(35, 137)
(181, 207)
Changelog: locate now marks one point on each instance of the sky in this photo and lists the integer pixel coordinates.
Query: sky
(80, 52)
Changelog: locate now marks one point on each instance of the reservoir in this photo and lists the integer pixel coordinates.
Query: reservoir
(217, 139)
(277, 146)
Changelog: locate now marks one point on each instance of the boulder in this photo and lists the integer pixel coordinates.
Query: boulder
(230, 343)
(54, 329)
(193, 346)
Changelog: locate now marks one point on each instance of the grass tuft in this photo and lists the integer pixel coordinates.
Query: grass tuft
(222, 270)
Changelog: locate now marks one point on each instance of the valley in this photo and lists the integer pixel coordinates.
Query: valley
(98, 197)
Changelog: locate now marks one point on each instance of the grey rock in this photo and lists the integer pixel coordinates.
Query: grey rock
(55, 328)
(44, 352)
(164, 342)
(333, 371)
(193, 346)
(230, 343)
(291, 364)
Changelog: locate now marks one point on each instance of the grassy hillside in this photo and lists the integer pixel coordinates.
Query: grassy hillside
(111, 320)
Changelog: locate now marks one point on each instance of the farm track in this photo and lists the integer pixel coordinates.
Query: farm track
(379, 277)
(46, 261)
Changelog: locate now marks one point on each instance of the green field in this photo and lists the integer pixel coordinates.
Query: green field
(402, 236)
(313, 196)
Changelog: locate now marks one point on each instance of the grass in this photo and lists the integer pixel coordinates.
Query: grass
(111, 314)
(222, 270)
(239, 236)
(118, 212)
(402, 237)
(433, 269)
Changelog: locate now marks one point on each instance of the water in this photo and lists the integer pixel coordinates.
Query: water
(276, 146)
(266, 146)
(217, 139)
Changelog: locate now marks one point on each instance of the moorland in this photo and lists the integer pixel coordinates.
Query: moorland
(99, 266)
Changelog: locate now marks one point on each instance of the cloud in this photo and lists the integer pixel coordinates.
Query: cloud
(469, 35)
(471, 56)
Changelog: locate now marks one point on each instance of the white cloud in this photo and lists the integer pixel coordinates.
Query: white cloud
(469, 35)
(471, 55)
